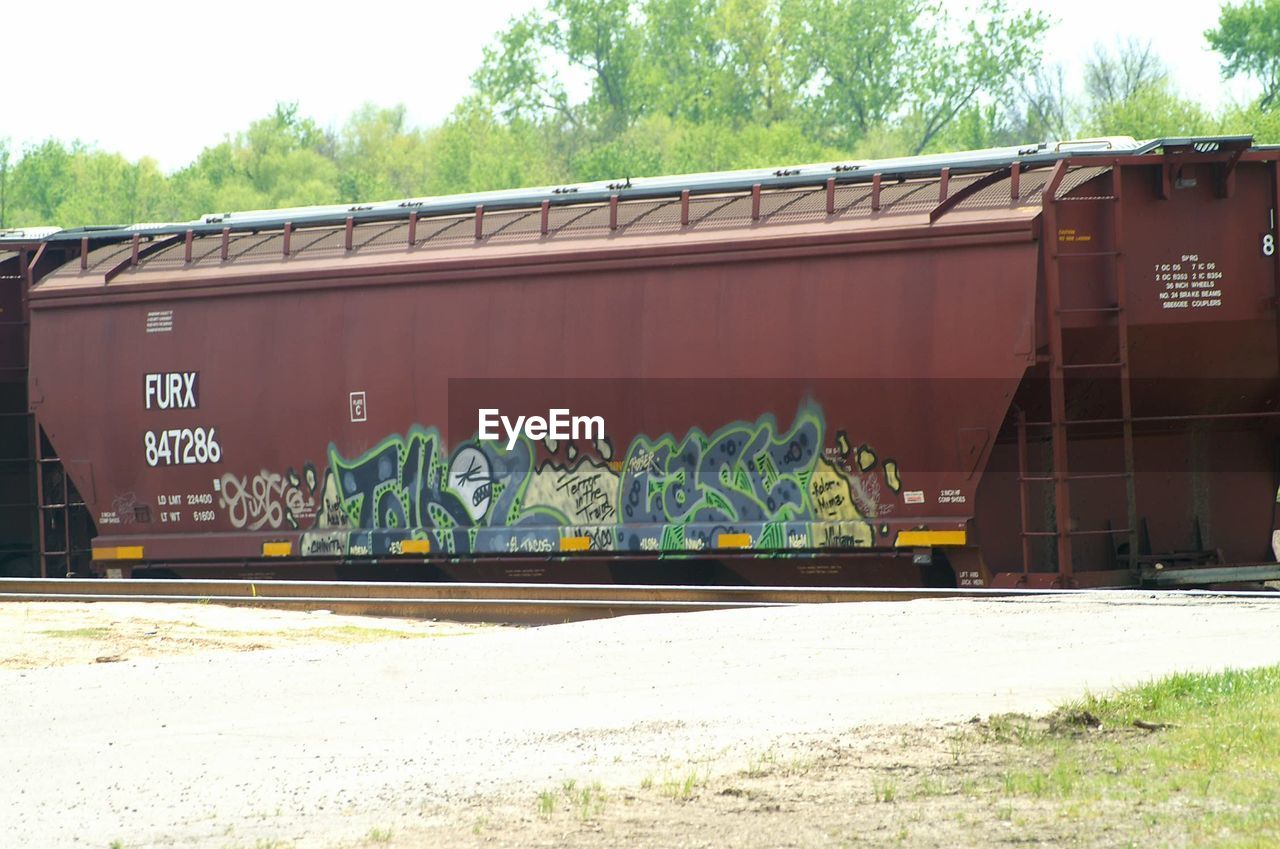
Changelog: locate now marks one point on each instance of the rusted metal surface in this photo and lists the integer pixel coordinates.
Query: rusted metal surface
(1172, 295)
(832, 468)
(864, 352)
(19, 515)
(520, 603)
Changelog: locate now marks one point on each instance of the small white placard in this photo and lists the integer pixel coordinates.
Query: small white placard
(359, 409)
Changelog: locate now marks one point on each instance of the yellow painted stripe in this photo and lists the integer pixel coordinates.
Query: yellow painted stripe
(277, 549)
(733, 540)
(916, 539)
(575, 543)
(415, 546)
(118, 552)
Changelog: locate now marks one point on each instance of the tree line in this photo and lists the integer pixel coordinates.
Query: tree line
(603, 89)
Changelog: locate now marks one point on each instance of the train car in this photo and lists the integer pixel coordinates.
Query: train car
(1054, 365)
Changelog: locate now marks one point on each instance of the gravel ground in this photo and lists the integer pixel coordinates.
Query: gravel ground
(344, 742)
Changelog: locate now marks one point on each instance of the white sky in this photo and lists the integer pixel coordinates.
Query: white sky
(165, 79)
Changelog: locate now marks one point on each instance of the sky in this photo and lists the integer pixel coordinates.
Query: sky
(165, 79)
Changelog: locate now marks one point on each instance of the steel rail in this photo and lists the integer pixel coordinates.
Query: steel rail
(516, 603)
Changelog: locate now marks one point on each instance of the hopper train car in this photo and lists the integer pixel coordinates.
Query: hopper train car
(1055, 365)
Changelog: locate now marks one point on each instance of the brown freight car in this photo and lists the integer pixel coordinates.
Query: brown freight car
(1054, 365)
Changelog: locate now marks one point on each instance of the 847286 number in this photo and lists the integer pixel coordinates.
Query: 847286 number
(181, 447)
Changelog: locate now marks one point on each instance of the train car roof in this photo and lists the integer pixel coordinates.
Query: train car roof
(639, 188)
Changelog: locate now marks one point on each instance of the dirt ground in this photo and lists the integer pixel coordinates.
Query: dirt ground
(140, 725)
(38, 636)
(935, 786)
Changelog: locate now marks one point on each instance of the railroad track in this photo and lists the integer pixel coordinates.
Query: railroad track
(516, 603)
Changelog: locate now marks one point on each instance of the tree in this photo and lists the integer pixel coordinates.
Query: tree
(1129, 93)
(1152, 111)
(1248, 37)
(380, 157)
(474, 151)
(596, 36)
(845, 66)
(1111, 78)
(281, 160)
(108, 189)
(513, 78)
(871, 63)
(981, 68)
(1049, 113)
(858, 59)
(1252, 119)
(40, 181)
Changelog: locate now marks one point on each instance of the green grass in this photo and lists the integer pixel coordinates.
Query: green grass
(335, 633)
(1192, 760)
(884, 789)
(1210, 770)
(931, 785)
(685, 787)
(98, 633)
(590, 802)
(546, 803)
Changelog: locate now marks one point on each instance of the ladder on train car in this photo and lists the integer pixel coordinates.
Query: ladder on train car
(44, 522)
(19, 520)
(1059, 425)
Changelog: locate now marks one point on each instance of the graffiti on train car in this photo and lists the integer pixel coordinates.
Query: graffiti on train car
(268, 499)
(778, 487)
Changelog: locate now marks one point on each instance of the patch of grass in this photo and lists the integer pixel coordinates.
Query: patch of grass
(1012, 728)
(929, 786)
(646, 782)
(116, 844)
(683, 788)
(97, 633)
(590, 802)
(380, 835)
(1193, 755)
(758, 766)
(546, 803)
(957, 747)
(334, 633)
(884, 789)
(1170, 699)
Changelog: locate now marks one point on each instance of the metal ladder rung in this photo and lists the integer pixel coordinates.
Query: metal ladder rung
(1066, 366)
(1085, 477)
(1099, 476)
(1089, 532)
(1071, 422)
